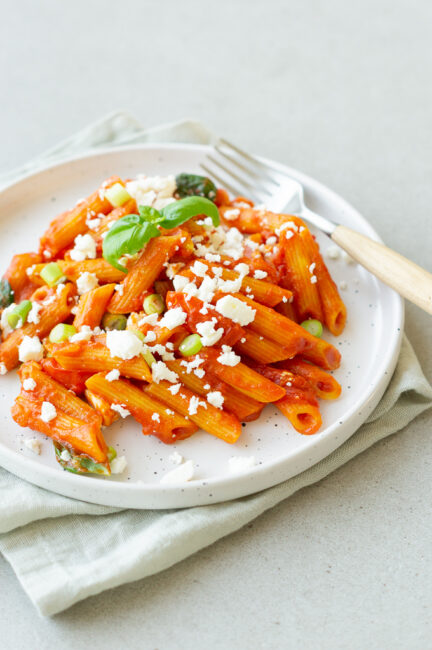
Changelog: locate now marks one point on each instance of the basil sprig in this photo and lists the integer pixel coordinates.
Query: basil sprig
(129, 234)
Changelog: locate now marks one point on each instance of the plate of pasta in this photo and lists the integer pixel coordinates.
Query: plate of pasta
(165, 344)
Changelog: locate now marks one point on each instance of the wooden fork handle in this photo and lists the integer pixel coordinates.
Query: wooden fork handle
(402, 275)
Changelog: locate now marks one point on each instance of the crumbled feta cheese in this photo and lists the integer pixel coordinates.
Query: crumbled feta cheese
(231, 215)
(174, 389)
(93, 224)
(86, 282)
(156, 191)
(85, 334)
(179, 282)
(155, 417)
(6, 328)
(271, 241)
(193, 405)
(241, 463)
(85, 248)
(3, 369)
(242, 268)
(180, 474)
(333, 253)
(191, 365)
(199, 268)
(260, 275)
(29, 384)
(33, 315)
(236, 310)
(343, 285)
(243, 339)
(160, 371)
(312, 268)
(33, 444)
(209, 335)
(113, 375)
(123, 344)
(59, 289)
(199, 372)
(31, 349)
(151, 319)
(176, 458)
(119, 288)
(313, 279)
(121, 410)
(212, 257)
(228, 357)
(118, 465)
(173, 318)
(215, 398)
(48, 412)
(30, 269)
(207, 386)
(65, 455)
(150, 337)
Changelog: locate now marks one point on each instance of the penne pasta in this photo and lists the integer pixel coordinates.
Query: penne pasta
(300, 272)
(324, 385)
(213, 420)
(259, 348)
(142, 274)
(155, 418)
(19, 280)
(92, 306)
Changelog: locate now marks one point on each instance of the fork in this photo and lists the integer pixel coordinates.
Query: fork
(246, 175)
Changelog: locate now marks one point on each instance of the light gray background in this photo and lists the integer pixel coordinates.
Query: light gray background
(341, 90)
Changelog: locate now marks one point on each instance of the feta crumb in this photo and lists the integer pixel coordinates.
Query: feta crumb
(48, 412)
(241, 463)
(86, 282)
(118, 465)
(33, 444)
(93, 224)
(242, 268)
(231, 215)
(236, 310)
(84, 334)
(30, 269)
(155, 417)
(180, 474)
(271, 241)
(228, 357)
(120, 409)
(113, 375)
(3, 369)
(215, 398)
(174, 389)
(119, 288)
(150, 337)
(151, 319)
(199, 268)
(33, 315)
(176, 458)
(85, 248)
(179, 282)
(160, 371)
(209, 335)
(333, 253)
(260, 275)
(243, 339)
(29, 384)
(193, 405)
(31, 349)
(312, 268)
(173, 318)
(313, 279)
(65, 455)
(343, 285)
(199, 372)
(123, 344)
(59, 289)
(207, 386)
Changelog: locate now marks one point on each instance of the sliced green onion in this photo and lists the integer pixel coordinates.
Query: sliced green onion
(19, 313)
(139, 334)
(111, 453)
(93, 467)
(313, 326)
(114, 322)
(190, 345)
(117, 195)
(61, 332)
(154, 304)
(52, 274)
(148, 357)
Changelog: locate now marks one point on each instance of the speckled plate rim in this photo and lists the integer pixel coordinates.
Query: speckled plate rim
(202, 492)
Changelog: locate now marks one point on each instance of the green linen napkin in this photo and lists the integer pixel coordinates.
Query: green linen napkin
(61, 555)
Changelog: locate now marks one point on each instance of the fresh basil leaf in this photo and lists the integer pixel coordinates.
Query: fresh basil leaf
(194, 185)
(6, 294)
(176, 213)
(127, 236)
(149, 214)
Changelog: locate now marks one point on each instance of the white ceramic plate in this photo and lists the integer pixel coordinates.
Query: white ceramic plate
(369, 347)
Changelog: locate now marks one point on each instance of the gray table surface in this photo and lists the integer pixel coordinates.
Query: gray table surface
(341, 90)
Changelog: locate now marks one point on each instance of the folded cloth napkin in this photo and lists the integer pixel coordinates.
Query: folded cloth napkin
(61, 555)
